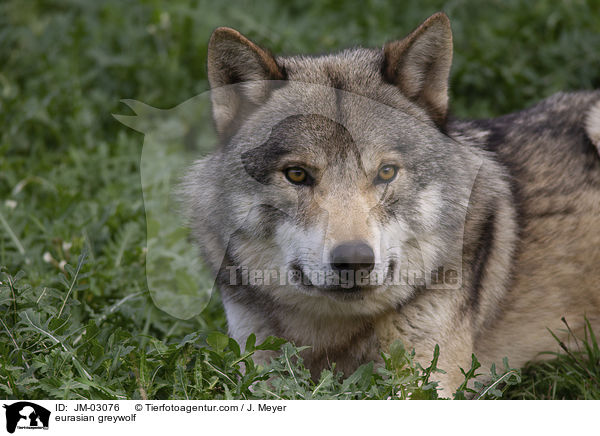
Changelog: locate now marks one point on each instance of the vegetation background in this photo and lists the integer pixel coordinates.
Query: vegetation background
(76, 319)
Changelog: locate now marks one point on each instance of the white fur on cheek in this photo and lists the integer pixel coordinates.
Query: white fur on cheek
(592, 125)
(429, 204)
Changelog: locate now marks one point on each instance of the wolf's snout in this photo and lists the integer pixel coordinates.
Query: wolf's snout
(353, 256)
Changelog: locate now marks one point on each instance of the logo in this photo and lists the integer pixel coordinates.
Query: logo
(26, 415)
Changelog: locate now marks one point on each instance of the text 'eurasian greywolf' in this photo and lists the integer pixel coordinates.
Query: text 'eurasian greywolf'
(345, 210)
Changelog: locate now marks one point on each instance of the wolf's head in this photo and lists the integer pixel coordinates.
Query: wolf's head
(334, 173)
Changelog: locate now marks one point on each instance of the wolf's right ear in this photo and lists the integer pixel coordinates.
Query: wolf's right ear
(234, 59)
(420, 65)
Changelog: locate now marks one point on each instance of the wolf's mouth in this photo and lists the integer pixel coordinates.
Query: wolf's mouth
(346, 284)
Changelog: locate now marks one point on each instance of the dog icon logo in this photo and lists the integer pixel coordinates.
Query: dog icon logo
(26, 415)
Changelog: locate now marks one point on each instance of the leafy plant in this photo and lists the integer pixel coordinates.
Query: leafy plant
(574, 373)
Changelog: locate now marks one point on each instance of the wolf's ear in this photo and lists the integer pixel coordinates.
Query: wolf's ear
(420, 65)
(233, 59)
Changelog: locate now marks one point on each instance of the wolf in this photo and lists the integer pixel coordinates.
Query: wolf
(335, 172)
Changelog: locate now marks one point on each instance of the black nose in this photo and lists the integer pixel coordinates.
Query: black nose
(353, 256)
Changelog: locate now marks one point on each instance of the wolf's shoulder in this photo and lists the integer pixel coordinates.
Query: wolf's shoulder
(565, 118)
(550, 148)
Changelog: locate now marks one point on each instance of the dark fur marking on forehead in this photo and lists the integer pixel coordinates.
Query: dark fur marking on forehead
(295, 133)
(336, 79)
(337, 83)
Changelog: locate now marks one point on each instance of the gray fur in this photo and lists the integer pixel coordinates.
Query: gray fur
(512, 202)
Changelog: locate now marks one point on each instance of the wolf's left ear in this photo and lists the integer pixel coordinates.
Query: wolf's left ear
(234, 59)
(420, 65)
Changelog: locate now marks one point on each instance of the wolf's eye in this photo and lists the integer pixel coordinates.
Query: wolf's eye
(386, 174)
(296, 175)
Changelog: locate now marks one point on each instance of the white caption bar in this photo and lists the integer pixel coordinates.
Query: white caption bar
(293, 417)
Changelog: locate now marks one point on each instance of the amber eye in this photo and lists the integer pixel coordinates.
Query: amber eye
(386, 174)
(296, 175)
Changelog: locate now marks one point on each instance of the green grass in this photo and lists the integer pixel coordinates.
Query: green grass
(77, 320)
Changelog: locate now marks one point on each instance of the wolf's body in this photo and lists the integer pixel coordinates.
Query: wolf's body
(516, 198)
